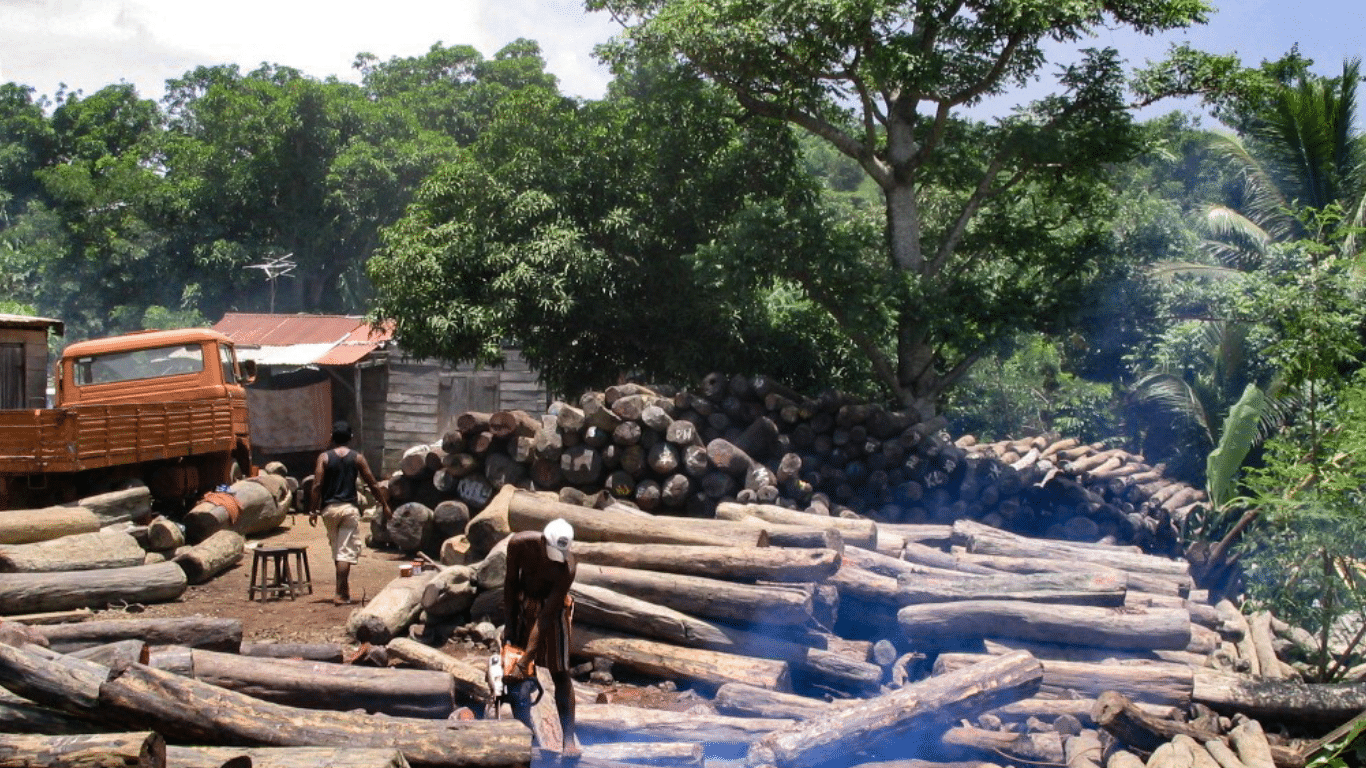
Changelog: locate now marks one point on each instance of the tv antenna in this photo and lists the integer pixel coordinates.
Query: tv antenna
(274, 268)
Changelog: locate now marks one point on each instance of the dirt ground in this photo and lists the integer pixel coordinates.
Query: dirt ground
(308, 619)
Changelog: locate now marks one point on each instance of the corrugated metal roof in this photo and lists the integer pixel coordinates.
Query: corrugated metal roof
(28, 321)
(302, 339)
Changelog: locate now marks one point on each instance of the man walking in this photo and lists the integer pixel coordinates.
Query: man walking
(539, 616)
(334, 495)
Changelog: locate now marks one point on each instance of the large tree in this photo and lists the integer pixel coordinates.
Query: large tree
(981, 234)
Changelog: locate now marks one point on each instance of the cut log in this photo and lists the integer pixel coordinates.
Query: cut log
(1101, 587)
(860, 725)
(186, 710)
(470, 681)
(666, 754)
(330, 652)
(67, 590)
(19, 715)
(51, 679)
(213, 634)
(615, 722)
(284, 757)
(1138, 582)
(983, 539)
(744, 700)
(24, 526)
(390, 612)
(1159, 683)
(119, 653)
(259, 507)
(51, 617)
(412, 528)
(130, 504)
(1144, 733)
(212, 556)
(531, 512)
(1043, 748)
(938, 625)
(164, 535)
(672, 662)
(859, 533)
(323, 685)
(710, 598)
(106, 548)
(1324, 705)
(143, 749)
(731, 563)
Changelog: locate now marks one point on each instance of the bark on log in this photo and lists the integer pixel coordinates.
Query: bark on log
(143, 749)
(118, 653)
(983, 539)
(531, 512)
(1103, 587)
(51, 679)
(614, 722)
(106, 548)
(19, 715)
(1043, 748)
(212, 556)
(937, 625)
(856, 532)
(51, 617)
(61, 591)
(260, 508)
(284, 757)
(1137, 582)
(1140, 730)
(859, 725)
(134, 504)
(323, 685)
(710, 598)
(672, 662)
(187, 710)
(470, 681)
(330, 652)
(25, 526)
(1321, 704)
(164, 535)
(390, 611)
(744, 700)
(1159, 683)
(730, 563)
(666, 754)
(213, 634)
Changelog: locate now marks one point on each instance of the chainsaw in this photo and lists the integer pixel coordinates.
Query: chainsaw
(519, 692)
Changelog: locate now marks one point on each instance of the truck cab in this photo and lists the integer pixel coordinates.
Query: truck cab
(150, 367)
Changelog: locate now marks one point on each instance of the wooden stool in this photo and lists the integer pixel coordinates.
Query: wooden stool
(270, 576)
(302, 576)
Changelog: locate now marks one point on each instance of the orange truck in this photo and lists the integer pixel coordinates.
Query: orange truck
(167, 408)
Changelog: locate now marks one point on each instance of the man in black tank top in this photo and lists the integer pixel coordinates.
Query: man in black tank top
(334, 496)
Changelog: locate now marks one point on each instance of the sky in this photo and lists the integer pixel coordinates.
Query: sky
(88, 44)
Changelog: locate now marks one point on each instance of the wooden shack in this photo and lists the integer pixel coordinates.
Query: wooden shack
(314, 369)
(24, 360)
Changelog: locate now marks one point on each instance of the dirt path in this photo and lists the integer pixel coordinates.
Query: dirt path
(309, 619)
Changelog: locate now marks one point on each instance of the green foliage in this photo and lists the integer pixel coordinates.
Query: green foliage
(988, 229)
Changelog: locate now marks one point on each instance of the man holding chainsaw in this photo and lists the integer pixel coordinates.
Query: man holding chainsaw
(539, 614)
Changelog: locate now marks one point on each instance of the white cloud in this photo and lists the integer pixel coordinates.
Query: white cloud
(88, 44)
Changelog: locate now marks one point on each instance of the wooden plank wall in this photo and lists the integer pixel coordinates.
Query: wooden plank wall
(35, 355)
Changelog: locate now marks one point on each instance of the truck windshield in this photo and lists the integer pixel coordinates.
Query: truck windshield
(139, 364)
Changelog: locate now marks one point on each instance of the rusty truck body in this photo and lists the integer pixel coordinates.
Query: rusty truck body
(167, 408)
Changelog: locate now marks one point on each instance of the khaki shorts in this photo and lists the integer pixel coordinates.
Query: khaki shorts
(342, 522)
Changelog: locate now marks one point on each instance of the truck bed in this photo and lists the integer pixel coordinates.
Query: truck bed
(85, 437)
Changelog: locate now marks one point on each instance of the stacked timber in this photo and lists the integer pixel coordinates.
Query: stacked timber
(750, 440)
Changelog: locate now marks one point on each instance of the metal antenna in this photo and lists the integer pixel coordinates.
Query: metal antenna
(275, 267)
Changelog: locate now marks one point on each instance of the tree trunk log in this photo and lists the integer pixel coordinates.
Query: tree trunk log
(212, 556)
(614, 722)
(470, 681)
(25, 526)
(859, 725)
(329, 652)
(284, 757)
(259, 501)
(106, 548)
(710, 598)
(936, 625)
(164, 535)
(530, 512)
(323, 685)
(1157, 682)
(744, 700)
(143, 749)
(66, 590)
(1320, 704)
(187, 710)
(666, 754)
(672, 662)
(1102, 587)
(731, 563)
(964, 741)
(391, 611)
(212, 634)
(130, 504)
(1143, 732)
(118, 653)
(856, 532)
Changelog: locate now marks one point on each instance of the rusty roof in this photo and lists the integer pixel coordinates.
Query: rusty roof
(315, 339)
(30, 322)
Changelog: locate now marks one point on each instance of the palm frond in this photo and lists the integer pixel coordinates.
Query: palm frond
(1239, 434)
(1175, 396)
(1167, 271)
